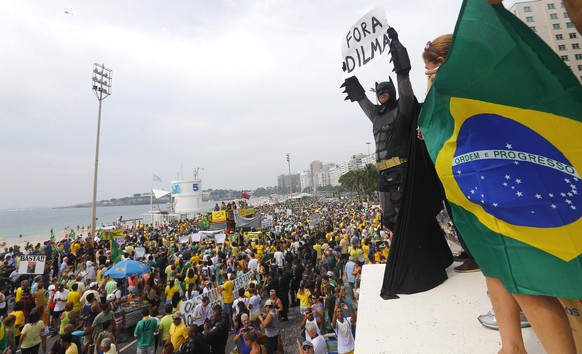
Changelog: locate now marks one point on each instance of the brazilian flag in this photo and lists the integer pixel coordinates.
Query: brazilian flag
(115, 251)
(502, 124)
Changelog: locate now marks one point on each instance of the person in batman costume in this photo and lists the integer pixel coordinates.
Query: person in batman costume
(391, 120)
(410, 193)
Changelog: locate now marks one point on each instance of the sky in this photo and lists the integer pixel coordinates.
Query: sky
(228, 86)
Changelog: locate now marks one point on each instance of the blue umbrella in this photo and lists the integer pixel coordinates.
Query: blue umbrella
(127, 268)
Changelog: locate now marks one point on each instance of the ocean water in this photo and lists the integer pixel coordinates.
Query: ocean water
(35, 224)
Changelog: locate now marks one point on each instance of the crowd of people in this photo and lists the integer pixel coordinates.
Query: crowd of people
(311, 258)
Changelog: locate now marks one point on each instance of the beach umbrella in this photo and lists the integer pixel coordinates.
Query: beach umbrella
(127, 268)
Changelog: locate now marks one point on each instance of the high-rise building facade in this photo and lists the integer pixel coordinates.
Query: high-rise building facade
(549, 20)
(288, 183)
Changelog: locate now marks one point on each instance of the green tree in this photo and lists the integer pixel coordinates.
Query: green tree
(363, 181)
(260, 192)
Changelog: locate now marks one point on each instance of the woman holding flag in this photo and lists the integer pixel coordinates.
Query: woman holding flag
(545, 313)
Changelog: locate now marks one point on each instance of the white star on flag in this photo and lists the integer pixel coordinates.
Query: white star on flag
(538, 196)
(509, 146)
(519, 194)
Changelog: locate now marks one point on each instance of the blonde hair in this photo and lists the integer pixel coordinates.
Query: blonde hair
(439, 47)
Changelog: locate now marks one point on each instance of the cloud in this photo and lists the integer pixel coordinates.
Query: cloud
(230, 86)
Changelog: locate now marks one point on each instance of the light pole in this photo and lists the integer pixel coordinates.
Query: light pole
(102, 88)
(289, 164)
(368, 143)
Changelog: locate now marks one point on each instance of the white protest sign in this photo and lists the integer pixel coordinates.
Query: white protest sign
(195, 237)
(31, 265)
(267, 220)
(366, 40)
(183, 239)
(187, 307)
(139, 252)
(220, 238)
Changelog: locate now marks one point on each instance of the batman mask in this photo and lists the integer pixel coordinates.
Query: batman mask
(387, 87)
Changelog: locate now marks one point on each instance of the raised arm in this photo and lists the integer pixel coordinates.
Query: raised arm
(353, 316)
(402, 67)
(355, 92)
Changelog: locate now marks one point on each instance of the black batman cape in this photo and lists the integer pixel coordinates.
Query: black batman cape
(419, 254)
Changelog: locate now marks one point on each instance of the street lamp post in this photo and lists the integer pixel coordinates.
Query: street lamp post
(289, 164)
(102, 87)
(368, 143)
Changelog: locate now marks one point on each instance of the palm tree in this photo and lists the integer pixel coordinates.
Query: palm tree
(362, 181)
(371, 179)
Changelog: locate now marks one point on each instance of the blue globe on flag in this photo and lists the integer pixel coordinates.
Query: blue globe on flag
(515, 174)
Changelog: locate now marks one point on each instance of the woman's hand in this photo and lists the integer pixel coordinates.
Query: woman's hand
(431, 73)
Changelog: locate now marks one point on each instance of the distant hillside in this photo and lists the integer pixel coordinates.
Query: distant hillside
(210, 194)
(137, 199)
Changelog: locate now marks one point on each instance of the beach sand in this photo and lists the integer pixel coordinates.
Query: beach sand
(33, 240)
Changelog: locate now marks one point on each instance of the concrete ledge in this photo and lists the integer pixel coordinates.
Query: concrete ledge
(442, 320)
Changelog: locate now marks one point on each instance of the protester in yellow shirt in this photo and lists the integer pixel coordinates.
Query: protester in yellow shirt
(260, 249)
(178, 332)
(191, 277)
(366, 248)
(18, 293)
(385, 250)
(303, 295)
(317, 248)
(75, 297)
(227, 296)
(171, 288)
(377, 256)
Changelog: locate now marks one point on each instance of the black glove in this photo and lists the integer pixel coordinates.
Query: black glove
(399, 54)
(392, 34)
(353, 89)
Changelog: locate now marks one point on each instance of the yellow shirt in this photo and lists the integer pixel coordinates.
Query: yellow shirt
(356, 254)
(260, 249)
(189, 280)
(366, 250)
(178, 334)
(99, 275)
(32, 332)
(304, 298)
(75, 298)
(385, 252)
(72, 349)
(195, 259)
(18, 294)
(170, 291)
(227, 295)
(328, 236)
(19, 323)
(317, 248)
